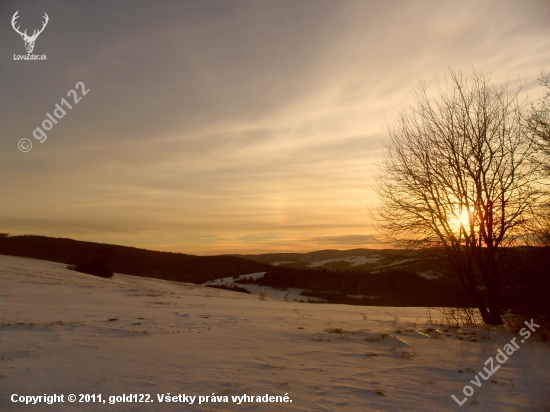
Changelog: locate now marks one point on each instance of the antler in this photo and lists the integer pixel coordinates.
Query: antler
(36, 33)
(15, 17)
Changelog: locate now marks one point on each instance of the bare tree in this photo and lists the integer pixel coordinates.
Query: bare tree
(539, 125)
(458, 178)
(539, 122)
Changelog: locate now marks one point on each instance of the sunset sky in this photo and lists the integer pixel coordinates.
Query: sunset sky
(230, 126)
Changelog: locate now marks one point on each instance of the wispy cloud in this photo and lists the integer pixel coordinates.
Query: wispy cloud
(346, 240)
(238, 126)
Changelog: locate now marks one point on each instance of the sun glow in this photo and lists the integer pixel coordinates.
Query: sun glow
(461, 218)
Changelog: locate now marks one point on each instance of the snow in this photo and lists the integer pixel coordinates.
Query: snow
(400, 262)
(361, 260)
(430, 274)
(289, 294)
(354, 260)
(65, 332)
(230, 279)
(281, 262)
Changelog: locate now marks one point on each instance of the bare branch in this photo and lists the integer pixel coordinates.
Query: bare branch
(458, 175)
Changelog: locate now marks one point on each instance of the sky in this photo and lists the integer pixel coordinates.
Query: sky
(213, 127)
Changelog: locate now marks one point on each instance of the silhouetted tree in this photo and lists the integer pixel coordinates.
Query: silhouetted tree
(539, 121)
(539, 124)
(458, 177)
(96, 267)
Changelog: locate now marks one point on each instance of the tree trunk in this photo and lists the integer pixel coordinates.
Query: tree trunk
(467, 280)
(494, 308)
(485, 314)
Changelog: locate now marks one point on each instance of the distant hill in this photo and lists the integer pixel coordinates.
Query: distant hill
(366, 260)
(386, 274)
(129, 260)
(381, 277)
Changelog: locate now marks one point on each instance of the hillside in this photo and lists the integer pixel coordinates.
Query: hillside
(370, 260)
(64, 332)
(123, 259)
(358, 276)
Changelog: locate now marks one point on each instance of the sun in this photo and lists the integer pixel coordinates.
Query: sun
(461, 218)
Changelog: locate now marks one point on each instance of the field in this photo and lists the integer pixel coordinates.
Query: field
(64, 332)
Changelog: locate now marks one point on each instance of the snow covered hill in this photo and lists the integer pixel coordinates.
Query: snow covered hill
(370, 260)
(64, 332)
(288, 294)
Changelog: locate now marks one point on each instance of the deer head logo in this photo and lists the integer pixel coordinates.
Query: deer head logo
(29, 40)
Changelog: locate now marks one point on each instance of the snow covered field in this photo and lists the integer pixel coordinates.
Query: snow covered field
(63, 332)
(290, 294)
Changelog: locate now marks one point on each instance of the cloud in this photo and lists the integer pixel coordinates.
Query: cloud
(231, 126)
(346, 240)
